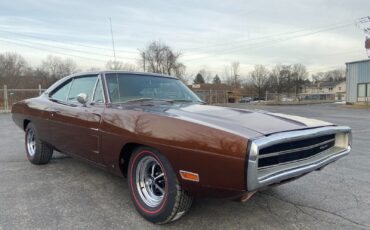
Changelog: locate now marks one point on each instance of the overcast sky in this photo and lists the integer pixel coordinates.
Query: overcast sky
(210, 34)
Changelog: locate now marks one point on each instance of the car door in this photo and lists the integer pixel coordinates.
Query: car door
(75, 127)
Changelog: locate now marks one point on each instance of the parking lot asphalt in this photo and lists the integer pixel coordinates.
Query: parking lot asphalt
(69, 194)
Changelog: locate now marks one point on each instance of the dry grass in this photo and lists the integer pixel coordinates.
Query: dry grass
(357, 106)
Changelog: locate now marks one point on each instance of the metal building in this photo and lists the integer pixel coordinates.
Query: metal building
(358, 81)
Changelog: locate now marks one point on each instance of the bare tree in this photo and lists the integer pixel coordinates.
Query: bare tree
(335, 75)
(227, 75)
(180, 72)
(118, 65)
(56, 67)
(318, 77)
(93, 69)
(160, 58)
(278, 78)
(235, 74)
(332, 75)
(299, 74)
(207, 75)
(231, 74)
(12, 66)
(260, 79)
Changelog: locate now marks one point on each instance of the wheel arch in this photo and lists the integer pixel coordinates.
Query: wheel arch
(125, 155)
(25, 123)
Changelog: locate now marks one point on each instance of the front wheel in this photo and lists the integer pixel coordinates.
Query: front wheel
(154, 189)
(37, 151)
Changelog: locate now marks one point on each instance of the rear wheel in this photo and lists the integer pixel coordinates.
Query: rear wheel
(37, 151)
(154, 189)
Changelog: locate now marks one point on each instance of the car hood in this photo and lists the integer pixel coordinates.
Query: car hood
(248, 123)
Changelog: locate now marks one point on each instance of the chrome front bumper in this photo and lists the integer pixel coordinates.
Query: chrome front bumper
(262, 177)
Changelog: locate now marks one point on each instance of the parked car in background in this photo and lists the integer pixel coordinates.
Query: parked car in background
(287, 99)
(170, 146)
(258, 99)
(245, 100)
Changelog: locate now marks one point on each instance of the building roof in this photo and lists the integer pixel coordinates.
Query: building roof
(353, 62)
(330, 83)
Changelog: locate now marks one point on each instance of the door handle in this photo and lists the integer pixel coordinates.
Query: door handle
(52, 111)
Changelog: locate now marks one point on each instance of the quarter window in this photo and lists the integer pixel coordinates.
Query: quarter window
(82, 85)
(98, 95)
(62, 92)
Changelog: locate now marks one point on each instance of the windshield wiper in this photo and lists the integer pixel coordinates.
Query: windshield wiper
(179, 100)
(144, 99)
(139, 100)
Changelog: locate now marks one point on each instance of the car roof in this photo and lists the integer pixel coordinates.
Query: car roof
(122, 72)
(60, 81)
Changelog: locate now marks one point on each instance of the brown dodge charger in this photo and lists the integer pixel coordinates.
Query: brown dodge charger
(169, 145)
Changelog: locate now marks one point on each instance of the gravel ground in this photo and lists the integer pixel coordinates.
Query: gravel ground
(68, 194)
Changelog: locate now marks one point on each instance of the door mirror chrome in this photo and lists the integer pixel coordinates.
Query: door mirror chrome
(82, 98)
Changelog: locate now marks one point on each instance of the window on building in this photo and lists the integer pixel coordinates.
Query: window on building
(368, 90)
(339, 88)
(361, 91)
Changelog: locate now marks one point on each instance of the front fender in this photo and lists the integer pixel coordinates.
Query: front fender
(217, 156)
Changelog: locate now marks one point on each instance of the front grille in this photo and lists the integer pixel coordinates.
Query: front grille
(294, 150)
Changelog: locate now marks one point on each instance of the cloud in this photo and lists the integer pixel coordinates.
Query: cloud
(209, 33)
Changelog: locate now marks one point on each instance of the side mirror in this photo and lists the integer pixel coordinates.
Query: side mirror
(82, 98)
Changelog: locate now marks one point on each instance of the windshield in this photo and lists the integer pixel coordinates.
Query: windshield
(134, 87)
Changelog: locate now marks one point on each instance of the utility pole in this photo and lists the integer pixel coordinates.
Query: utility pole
(111, 32)
(364, 24)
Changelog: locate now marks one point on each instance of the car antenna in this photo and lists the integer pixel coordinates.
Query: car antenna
(111, 32)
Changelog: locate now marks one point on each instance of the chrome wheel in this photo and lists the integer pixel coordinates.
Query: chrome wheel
(150, 181)
(31, 143)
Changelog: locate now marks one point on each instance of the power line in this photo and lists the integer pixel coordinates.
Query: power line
(70, 43)
(274, 41)
(196, 58)
(66, 48)
(269, 36)
(58, 47)
(219, 69)
(41, 48)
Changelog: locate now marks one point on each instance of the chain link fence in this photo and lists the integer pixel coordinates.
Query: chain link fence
(278, 98)
(213, 96)
(10, 96)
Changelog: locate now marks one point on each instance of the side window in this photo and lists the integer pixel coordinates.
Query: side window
(113, 88)
(62, 92)
(82, 85)
(98, 95)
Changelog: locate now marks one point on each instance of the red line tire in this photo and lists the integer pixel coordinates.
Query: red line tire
(154, 188)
